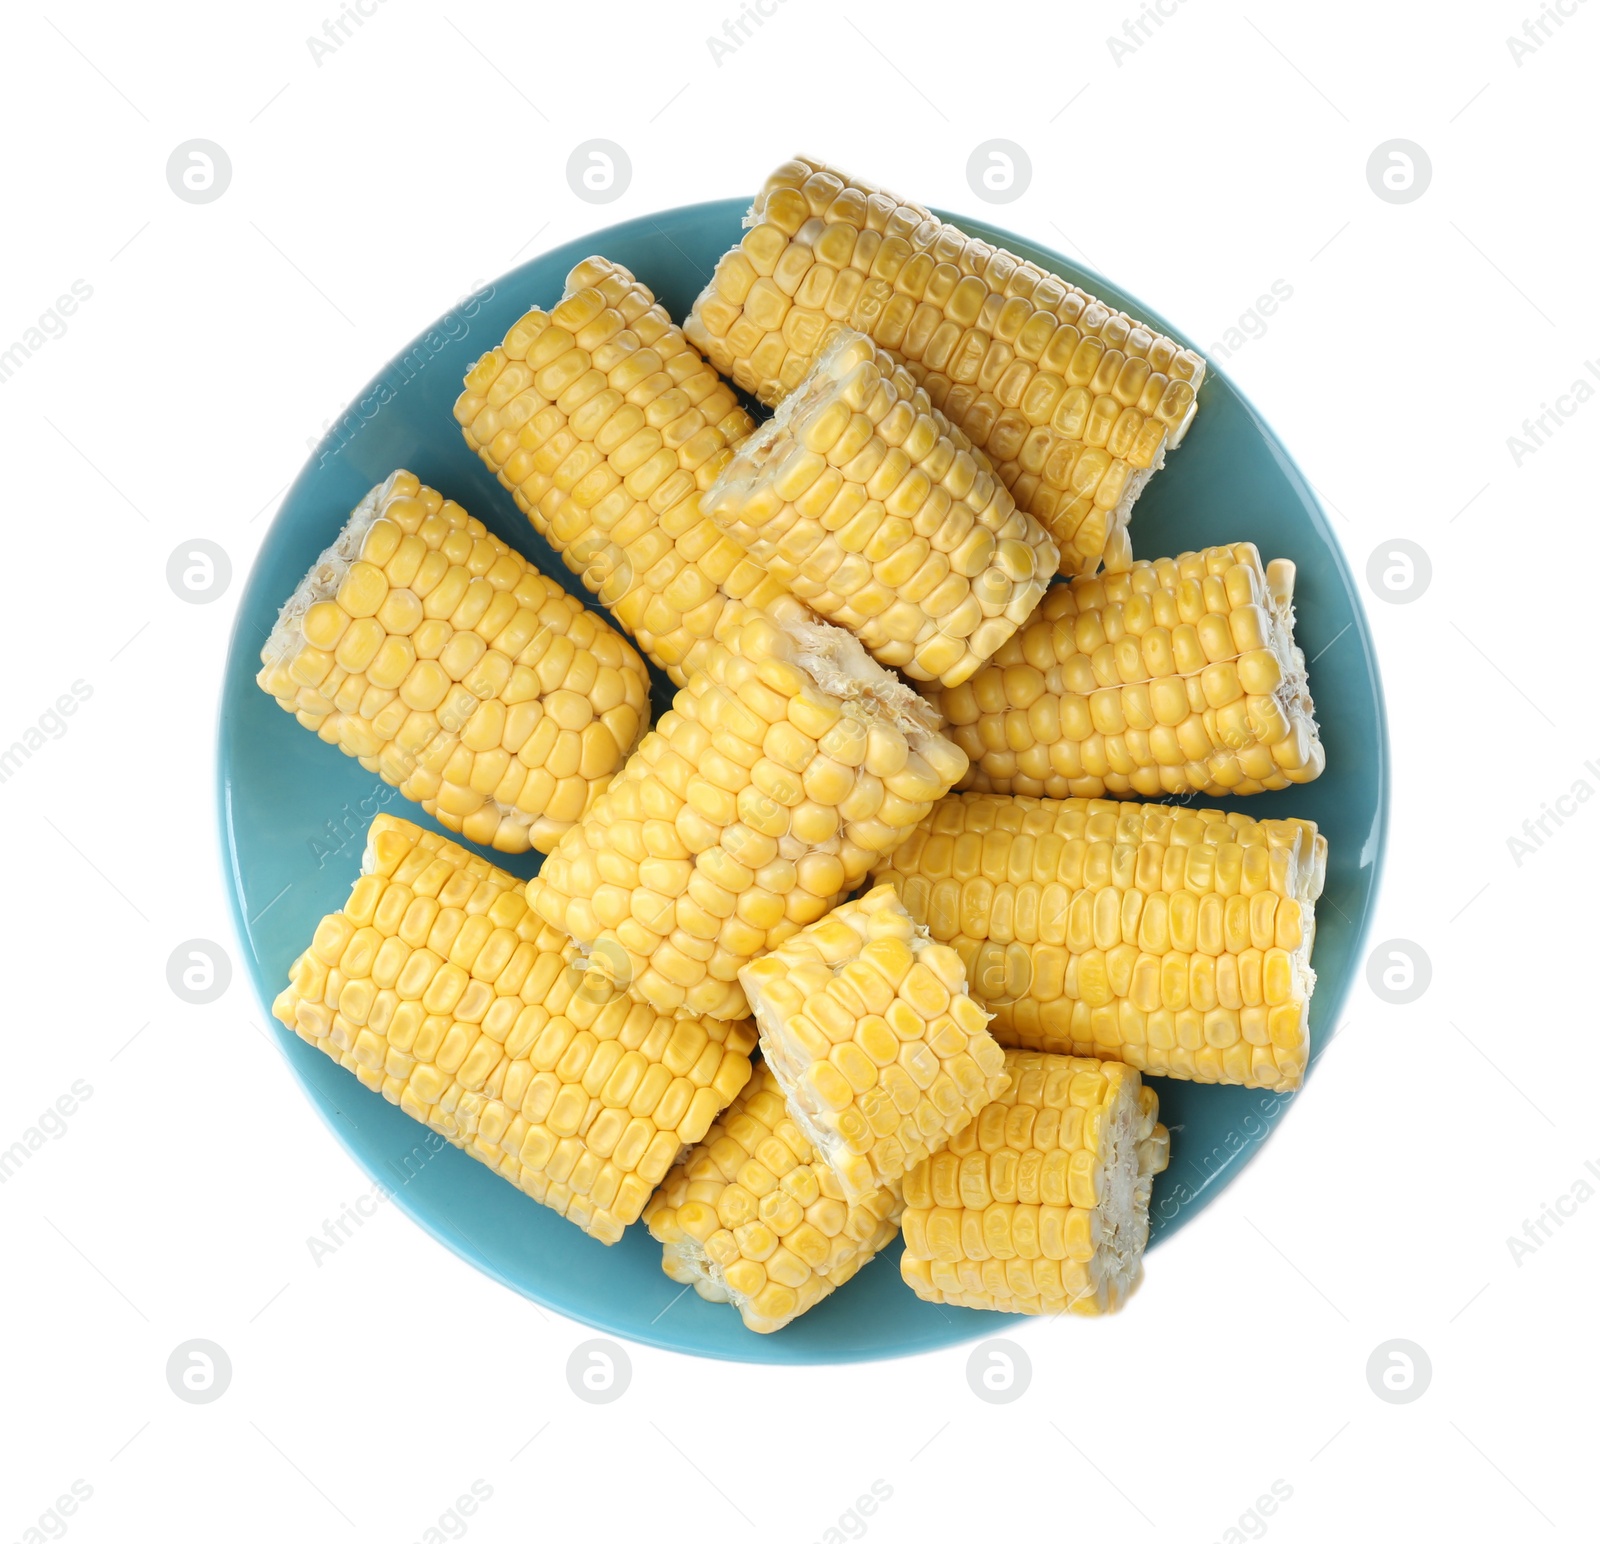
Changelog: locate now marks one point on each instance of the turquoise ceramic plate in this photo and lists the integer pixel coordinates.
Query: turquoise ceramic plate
(294, 811)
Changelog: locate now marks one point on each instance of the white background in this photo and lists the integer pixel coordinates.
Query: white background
(1227, 151)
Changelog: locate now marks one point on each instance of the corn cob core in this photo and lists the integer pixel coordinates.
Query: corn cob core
(1075, 404)
(1042, 1204)
(786, 766)
(606, 427)
(441, 990)
(861, 499)
(1176, 676)
(1177, 941)
(873, 1040)
(451, 667)
(752, 1218)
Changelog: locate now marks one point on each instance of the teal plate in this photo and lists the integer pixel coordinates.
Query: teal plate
(294, 811)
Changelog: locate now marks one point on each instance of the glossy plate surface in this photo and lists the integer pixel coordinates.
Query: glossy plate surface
(294, 811)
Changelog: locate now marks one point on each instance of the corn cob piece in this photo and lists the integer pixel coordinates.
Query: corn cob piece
(1042, 1204)
(440, 989)
(1177, 941)
(860, 497)
(450, 666)
(873, 1040)
(1176, 676)
(750, 1217)
(786, 766)
(606, 427)
(1075, 404)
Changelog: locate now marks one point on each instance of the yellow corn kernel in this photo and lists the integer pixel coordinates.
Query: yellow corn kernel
(577, 1094)
(1042, 1203)
(750, 1216)
(760, 864)
(943, 514)
(1074, 404)
(874, 1100)
(609, 456)
(426, 704)
(1188, 665)
(1176, 940)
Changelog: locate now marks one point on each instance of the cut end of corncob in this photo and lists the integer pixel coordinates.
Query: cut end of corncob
(439, 988)
(751, 1217)
(447, 664)
(785, 768)
(1042, 1204)
(869, 1032)
(1178, 675)
(607, 427)
(860, 497)
(1177, 941)
(841, 668)
(1074, 403)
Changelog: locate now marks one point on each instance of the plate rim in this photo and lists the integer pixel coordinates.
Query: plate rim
(757, 1350)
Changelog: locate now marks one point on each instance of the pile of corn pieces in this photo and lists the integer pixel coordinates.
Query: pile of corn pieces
(870, 935)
